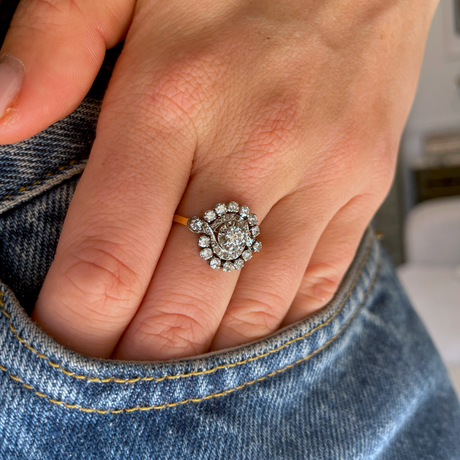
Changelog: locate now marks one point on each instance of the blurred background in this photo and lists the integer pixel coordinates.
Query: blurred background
(420, 219)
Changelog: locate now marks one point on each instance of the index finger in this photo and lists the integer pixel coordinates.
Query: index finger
(121, 213)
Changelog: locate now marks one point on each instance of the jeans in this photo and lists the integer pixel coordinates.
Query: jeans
(360, 379)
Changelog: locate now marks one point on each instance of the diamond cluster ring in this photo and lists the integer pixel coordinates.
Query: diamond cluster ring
(228, 235)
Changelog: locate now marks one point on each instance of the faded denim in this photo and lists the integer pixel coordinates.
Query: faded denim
(360, 379)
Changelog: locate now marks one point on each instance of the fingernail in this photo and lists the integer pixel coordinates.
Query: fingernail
(11, 76)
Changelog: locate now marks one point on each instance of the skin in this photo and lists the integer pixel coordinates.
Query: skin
(294, 108)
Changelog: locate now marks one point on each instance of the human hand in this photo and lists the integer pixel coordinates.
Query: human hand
(294, 108)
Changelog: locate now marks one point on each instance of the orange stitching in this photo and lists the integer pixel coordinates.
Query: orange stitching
(214, 395)
(38, 181)
(171, 377)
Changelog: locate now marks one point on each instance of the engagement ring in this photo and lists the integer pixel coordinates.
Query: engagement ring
(228, 235)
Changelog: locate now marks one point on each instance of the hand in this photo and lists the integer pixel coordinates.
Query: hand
(294, 108)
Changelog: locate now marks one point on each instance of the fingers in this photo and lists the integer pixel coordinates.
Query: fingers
(120, 216)
(51, 55)
(186, 299)
(268, 284)
(187, 302)
(331, 258)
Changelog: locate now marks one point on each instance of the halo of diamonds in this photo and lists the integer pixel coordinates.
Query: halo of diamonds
(228, 235)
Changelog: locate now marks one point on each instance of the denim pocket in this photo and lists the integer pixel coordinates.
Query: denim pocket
(62, 377)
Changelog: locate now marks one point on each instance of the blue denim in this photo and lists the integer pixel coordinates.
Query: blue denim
(359, 379)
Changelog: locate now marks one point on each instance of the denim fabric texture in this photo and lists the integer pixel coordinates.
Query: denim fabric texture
(359, 379)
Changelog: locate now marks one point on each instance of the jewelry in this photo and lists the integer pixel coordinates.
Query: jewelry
(228, 235)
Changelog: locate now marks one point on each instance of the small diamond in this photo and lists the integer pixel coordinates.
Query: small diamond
(206, 253)
(249, 241)
(252, 219)
(246, 254)
(255, 231)
(233, 206)
(257, 246)
(228, 267)
(239, 263)
(204, 241)
(215, 262)
(220, 208)
(244, 211)
(209, 216)
(195, 224)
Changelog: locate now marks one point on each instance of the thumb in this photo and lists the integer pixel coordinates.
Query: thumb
(50, 58)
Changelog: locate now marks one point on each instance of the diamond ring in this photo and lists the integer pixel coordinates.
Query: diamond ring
(228, 235)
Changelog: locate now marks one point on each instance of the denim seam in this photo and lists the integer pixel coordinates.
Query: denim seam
(170, 377)
(53, 173)
(214, 395)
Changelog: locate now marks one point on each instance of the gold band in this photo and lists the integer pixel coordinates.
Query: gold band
(180, 219)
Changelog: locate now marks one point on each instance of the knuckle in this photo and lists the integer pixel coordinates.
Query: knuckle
(340, 36)
(377, 157)
(178, 324)
(384, 159)
(179, 93)
(173, 334)
(256, 316)
(171, 102)
(273, 131)
(320, 283)
(359, 159)
(103, 273)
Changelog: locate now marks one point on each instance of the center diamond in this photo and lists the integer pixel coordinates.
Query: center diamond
(232, 236)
